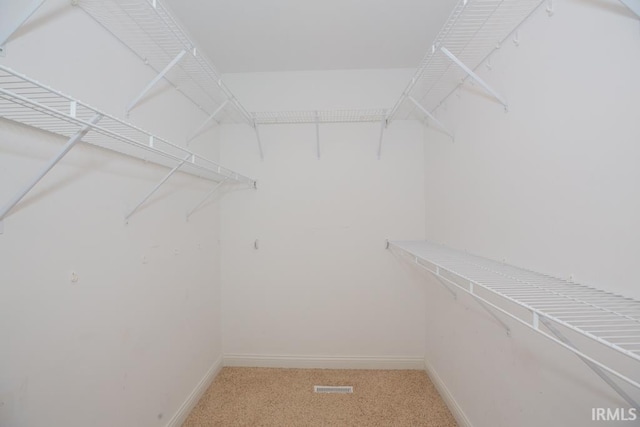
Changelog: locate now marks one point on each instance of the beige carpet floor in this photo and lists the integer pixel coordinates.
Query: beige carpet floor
(285, 397)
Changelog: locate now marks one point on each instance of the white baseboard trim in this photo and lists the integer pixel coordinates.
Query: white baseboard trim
(323, 362)
(185, 409)
(446, 395)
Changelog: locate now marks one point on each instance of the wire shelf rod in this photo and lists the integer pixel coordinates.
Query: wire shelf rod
(583, 298)
(542, 288)
(574, 304)
(541, 293)
(620, 336)
(587, 316)
(612, 322)
(542, 297)
(574, 313)
(570, 285)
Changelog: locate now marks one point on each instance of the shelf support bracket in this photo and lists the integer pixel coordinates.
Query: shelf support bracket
(54, 161)
(318, 135)
(595, 368)
(431, 117)
(470, 292)
(443, 283)
(255, 127)
(633, 5)
(206, 197)
(211, 117)
(13, 15)
(492, 314)
(156, 188)
(155, 80)
(476, 299)
(383, 124)
(474, 76)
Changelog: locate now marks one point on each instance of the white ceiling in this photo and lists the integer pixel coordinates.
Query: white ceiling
(288, 35)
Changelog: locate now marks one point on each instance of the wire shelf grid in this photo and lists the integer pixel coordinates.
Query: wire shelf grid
(473, 31)
(607, 318)
(149, 29)
(26, 101)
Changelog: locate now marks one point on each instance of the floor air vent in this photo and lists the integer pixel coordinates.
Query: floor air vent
(332, 389)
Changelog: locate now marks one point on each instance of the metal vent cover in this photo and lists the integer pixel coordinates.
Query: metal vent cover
(332, 389)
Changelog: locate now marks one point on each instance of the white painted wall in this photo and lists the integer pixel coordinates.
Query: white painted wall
(552, 185)
(321, 285)
(131, 340)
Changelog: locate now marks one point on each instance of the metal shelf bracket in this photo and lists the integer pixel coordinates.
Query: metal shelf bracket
(213, 115)
(155, 80)
(383, 125)
(595, 368)
(486, 308)
(441, 280)
(255, 127)
(13, 14)
(156, 188)
(431, 117)
(451, 288)
(205, 198)
(54, 161)
(474, 76)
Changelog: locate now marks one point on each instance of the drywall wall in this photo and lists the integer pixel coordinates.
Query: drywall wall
(321, 290)
(551, 185)
(131, 340)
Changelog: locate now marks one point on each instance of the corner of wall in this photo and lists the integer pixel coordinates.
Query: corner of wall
(194, 397)
(449, 399)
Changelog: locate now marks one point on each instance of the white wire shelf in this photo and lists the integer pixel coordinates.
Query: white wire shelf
(603, 317)
(473, 31)
(327, 116)
(26, 101)
(148, 28)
